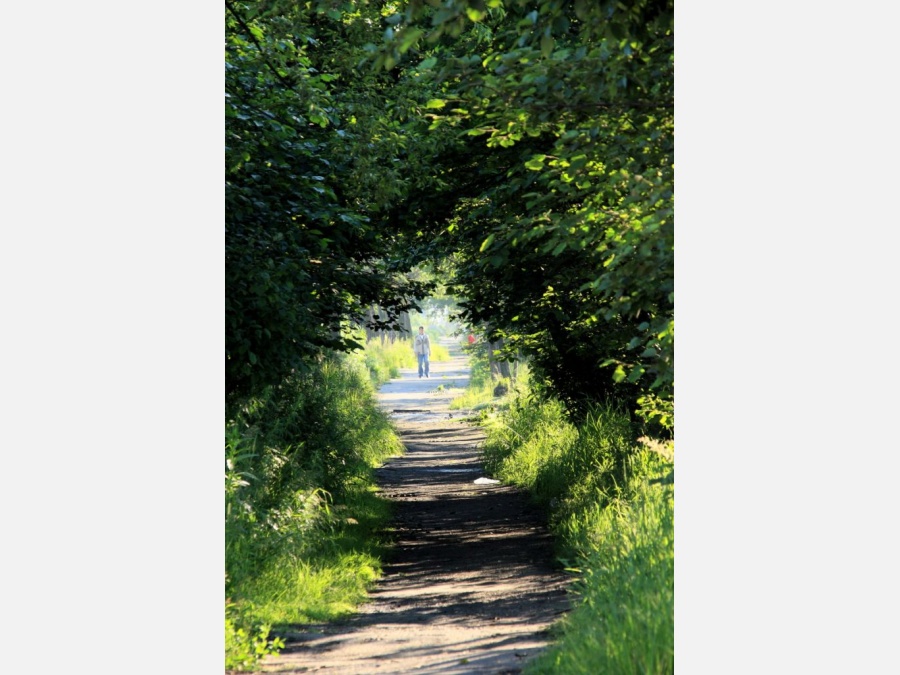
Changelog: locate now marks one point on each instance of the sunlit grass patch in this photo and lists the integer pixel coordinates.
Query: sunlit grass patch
(439, 353)
(524, 439)
(385, 358)
(323, 588)
(474, 398)
(320, 577)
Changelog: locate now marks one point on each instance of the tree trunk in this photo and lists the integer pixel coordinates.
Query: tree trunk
(492, 363)
(502, 366)
(406, 323)
(370, 316)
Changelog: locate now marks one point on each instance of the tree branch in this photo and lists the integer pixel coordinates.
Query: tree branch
(243, 24)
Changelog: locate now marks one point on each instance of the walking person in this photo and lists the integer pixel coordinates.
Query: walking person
(422, 348)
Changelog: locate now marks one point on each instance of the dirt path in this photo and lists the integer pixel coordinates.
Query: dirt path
(471, 584)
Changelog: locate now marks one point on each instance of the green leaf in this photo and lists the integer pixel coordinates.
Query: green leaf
(428, 63)
(436, 103)
(619, 374)
(578, 161)
(409, 37)
(547, 43)
(487, 242)
(581, 10)
(635, 374)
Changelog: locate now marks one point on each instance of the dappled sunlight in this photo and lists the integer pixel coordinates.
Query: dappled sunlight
(470, 576)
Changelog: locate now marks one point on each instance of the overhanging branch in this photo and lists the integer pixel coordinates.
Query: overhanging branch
(253, 39)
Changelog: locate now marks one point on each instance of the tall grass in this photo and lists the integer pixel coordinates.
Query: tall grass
(439, 353)
(384, 359)
(623, 622)
(610, 503)
(301, 513)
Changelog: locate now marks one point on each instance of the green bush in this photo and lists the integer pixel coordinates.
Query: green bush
(246, 641)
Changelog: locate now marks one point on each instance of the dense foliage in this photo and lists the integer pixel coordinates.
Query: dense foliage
(525, 147)
(312, 157)
(562, 224)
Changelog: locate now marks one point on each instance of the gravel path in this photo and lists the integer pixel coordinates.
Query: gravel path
(471, 584)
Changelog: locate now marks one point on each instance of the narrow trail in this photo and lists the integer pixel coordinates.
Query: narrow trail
(471, 584)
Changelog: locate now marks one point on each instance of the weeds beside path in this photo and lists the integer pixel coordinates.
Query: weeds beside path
(471, 584)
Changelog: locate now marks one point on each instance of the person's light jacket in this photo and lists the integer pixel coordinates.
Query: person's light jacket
(421, 345)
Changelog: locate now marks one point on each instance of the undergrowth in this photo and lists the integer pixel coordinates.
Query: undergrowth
(484, 394)
(301, 513)
(610, 500)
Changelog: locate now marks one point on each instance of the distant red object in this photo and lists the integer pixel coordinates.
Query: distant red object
(471, 339)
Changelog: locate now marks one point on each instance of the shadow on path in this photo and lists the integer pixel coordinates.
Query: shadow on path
(470, 584)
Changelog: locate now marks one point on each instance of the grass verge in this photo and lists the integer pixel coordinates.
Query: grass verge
(611, 507)
(303, 517)
(384, 359)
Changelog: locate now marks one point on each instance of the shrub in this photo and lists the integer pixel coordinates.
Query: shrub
(246, 641)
